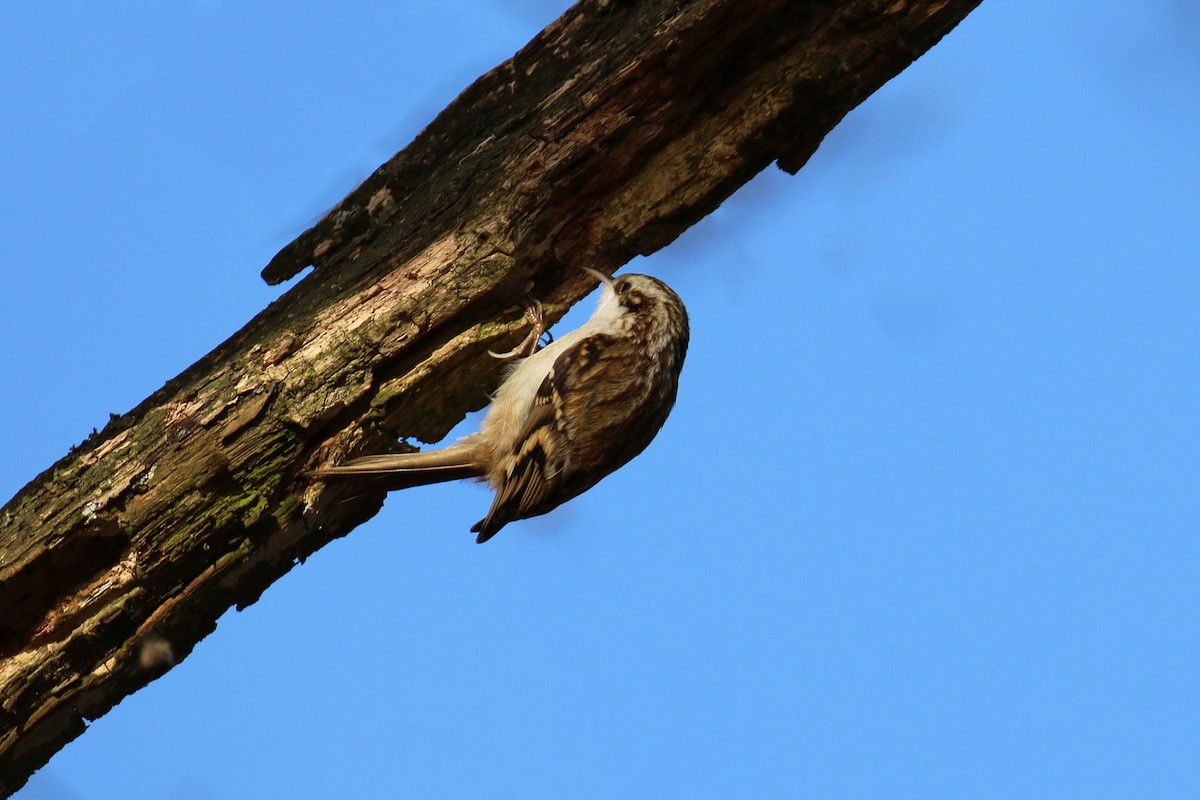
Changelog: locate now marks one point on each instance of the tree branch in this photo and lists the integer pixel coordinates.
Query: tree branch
(610, 133)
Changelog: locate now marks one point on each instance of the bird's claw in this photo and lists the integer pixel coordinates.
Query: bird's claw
(532, 341)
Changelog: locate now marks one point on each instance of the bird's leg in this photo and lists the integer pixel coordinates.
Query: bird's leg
(532, 341)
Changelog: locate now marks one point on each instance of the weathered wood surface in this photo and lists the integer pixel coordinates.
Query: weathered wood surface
(609, 134)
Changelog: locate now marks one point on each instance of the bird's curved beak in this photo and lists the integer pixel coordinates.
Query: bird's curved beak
(600, 276)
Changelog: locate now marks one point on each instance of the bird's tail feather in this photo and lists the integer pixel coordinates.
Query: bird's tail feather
(404, 470)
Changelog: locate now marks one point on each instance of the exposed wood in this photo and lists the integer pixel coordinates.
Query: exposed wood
(609, 134)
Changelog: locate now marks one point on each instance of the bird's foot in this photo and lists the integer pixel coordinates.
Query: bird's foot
(533, 340)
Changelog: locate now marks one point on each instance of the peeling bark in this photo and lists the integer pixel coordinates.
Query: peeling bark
(610, 133)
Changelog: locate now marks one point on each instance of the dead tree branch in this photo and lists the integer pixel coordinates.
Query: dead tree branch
(611, 132)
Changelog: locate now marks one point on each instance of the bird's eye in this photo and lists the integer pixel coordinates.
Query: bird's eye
(621, 286)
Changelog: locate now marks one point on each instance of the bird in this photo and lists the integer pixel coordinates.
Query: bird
(565, 416)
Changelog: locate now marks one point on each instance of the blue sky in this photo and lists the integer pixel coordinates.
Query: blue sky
(923, 523)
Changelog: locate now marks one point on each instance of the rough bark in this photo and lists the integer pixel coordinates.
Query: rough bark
(611, 132)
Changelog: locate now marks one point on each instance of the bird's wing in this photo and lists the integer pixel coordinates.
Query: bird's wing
(539, 474)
